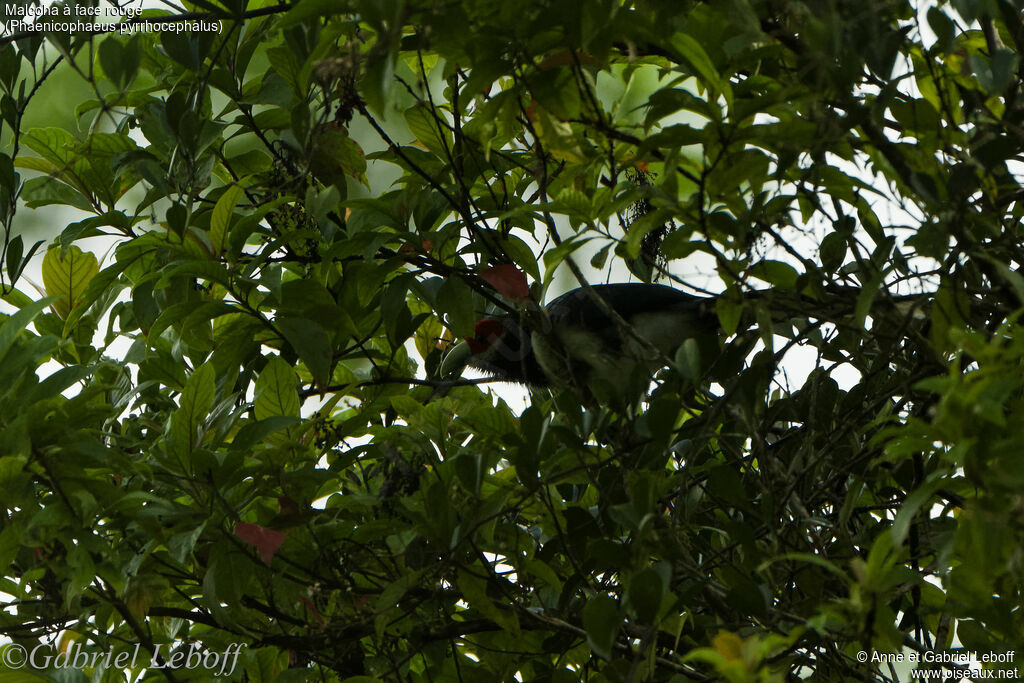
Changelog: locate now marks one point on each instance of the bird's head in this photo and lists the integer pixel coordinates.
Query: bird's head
(501, 348)
(486, 334)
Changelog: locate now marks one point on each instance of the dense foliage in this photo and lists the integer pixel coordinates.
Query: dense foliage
(222, 422)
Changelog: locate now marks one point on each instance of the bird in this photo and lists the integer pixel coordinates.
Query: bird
(603, 340)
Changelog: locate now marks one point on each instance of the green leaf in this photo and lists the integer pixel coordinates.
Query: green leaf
(10, 540)
(83, 572)
(220, 220)
(917, 116)
(644, 594)
(277, 390)
(66, 275)
(47, 191)
(112, 59)
(694, 55)
(54, 145)
(311, 342)
(193, 407)
(304, 11)
(188, 48)
(833, 251)
(254, 433)
(12, 326)
(429, 129)
(688, 359)
(729, 313)
(574, 204)
(523, 256)
(474, 590)
(335, 155)
(866, 298)
(225, 577)
(775, 273)
(912, 505)
(57, 382)
(810, 559)
(555, 257)
(601, 621)
(377, 81)
(454, 301)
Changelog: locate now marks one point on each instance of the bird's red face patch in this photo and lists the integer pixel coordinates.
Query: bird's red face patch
(486, 332)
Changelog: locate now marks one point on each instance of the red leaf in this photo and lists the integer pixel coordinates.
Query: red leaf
(312, 608)
(267, 541)
(508, 280)
(410, 248)
(530, 110)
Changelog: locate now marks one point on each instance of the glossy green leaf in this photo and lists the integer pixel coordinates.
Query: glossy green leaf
(601, 620)
(66, 276)
(277, 390)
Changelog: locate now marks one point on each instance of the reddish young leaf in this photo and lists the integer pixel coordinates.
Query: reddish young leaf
(312, 608)
(267, 541)
(508, 280)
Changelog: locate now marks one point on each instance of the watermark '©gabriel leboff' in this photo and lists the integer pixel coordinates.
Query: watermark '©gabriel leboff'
(76, 657)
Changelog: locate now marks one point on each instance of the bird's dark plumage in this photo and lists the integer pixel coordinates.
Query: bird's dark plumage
(576, 342)
(502, 348)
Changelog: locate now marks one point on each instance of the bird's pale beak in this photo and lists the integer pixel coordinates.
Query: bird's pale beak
(455, 360)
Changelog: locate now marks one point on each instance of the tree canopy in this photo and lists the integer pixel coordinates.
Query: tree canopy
(261, 225)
